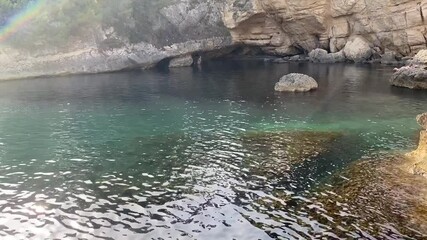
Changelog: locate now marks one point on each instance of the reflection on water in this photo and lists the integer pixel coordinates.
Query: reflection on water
(209, 153)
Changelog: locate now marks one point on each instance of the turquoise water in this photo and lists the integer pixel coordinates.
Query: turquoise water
(162, 154)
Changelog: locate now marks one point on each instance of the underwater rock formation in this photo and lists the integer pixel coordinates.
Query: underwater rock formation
(379, 197)
(276, 153)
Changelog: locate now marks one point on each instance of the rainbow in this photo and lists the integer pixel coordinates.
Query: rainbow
(21, 19)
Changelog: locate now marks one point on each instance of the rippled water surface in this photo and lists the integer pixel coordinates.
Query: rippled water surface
(210, 153)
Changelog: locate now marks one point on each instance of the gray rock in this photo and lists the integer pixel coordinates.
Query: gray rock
(422, 120)
(298, 58)
(295, 58)
(280, 60)
(183, 61)
(322, 56)
(358, 49)
(138, 34)
(413, 77)
(296, 82)
(389, 58)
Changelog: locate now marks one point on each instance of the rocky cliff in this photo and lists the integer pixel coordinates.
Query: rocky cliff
(90, 36)
(114, 35)
(288, 27)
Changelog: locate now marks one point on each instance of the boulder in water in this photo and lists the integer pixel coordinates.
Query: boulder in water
(322, 56)
(358, 49)
(413, 77)
(296, 82)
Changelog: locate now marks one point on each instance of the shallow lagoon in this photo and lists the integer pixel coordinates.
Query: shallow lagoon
(198, 153)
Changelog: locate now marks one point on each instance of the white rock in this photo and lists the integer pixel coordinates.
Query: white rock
(296, 82)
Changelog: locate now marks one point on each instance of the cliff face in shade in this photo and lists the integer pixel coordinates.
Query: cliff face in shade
(287, 27)
(112, 35)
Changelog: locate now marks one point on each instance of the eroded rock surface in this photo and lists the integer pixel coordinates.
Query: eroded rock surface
(288, 27)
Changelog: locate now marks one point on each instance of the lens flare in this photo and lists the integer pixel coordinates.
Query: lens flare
(21, 19)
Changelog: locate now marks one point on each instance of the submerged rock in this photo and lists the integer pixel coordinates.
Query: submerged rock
(296, 82)
(413, 77)
(375, 197)
(276, 153)
(358, 49)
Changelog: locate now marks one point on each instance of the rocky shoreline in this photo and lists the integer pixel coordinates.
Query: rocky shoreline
(318, 31)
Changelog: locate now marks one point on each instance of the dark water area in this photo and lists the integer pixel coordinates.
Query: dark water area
(196, 153)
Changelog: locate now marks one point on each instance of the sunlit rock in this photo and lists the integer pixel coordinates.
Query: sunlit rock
(422, 120)
(296, 82)
(421, 57)
(304, 25)
(417, 160)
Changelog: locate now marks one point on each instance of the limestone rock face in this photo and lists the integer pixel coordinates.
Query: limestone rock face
(288, 27)
(296, 82)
